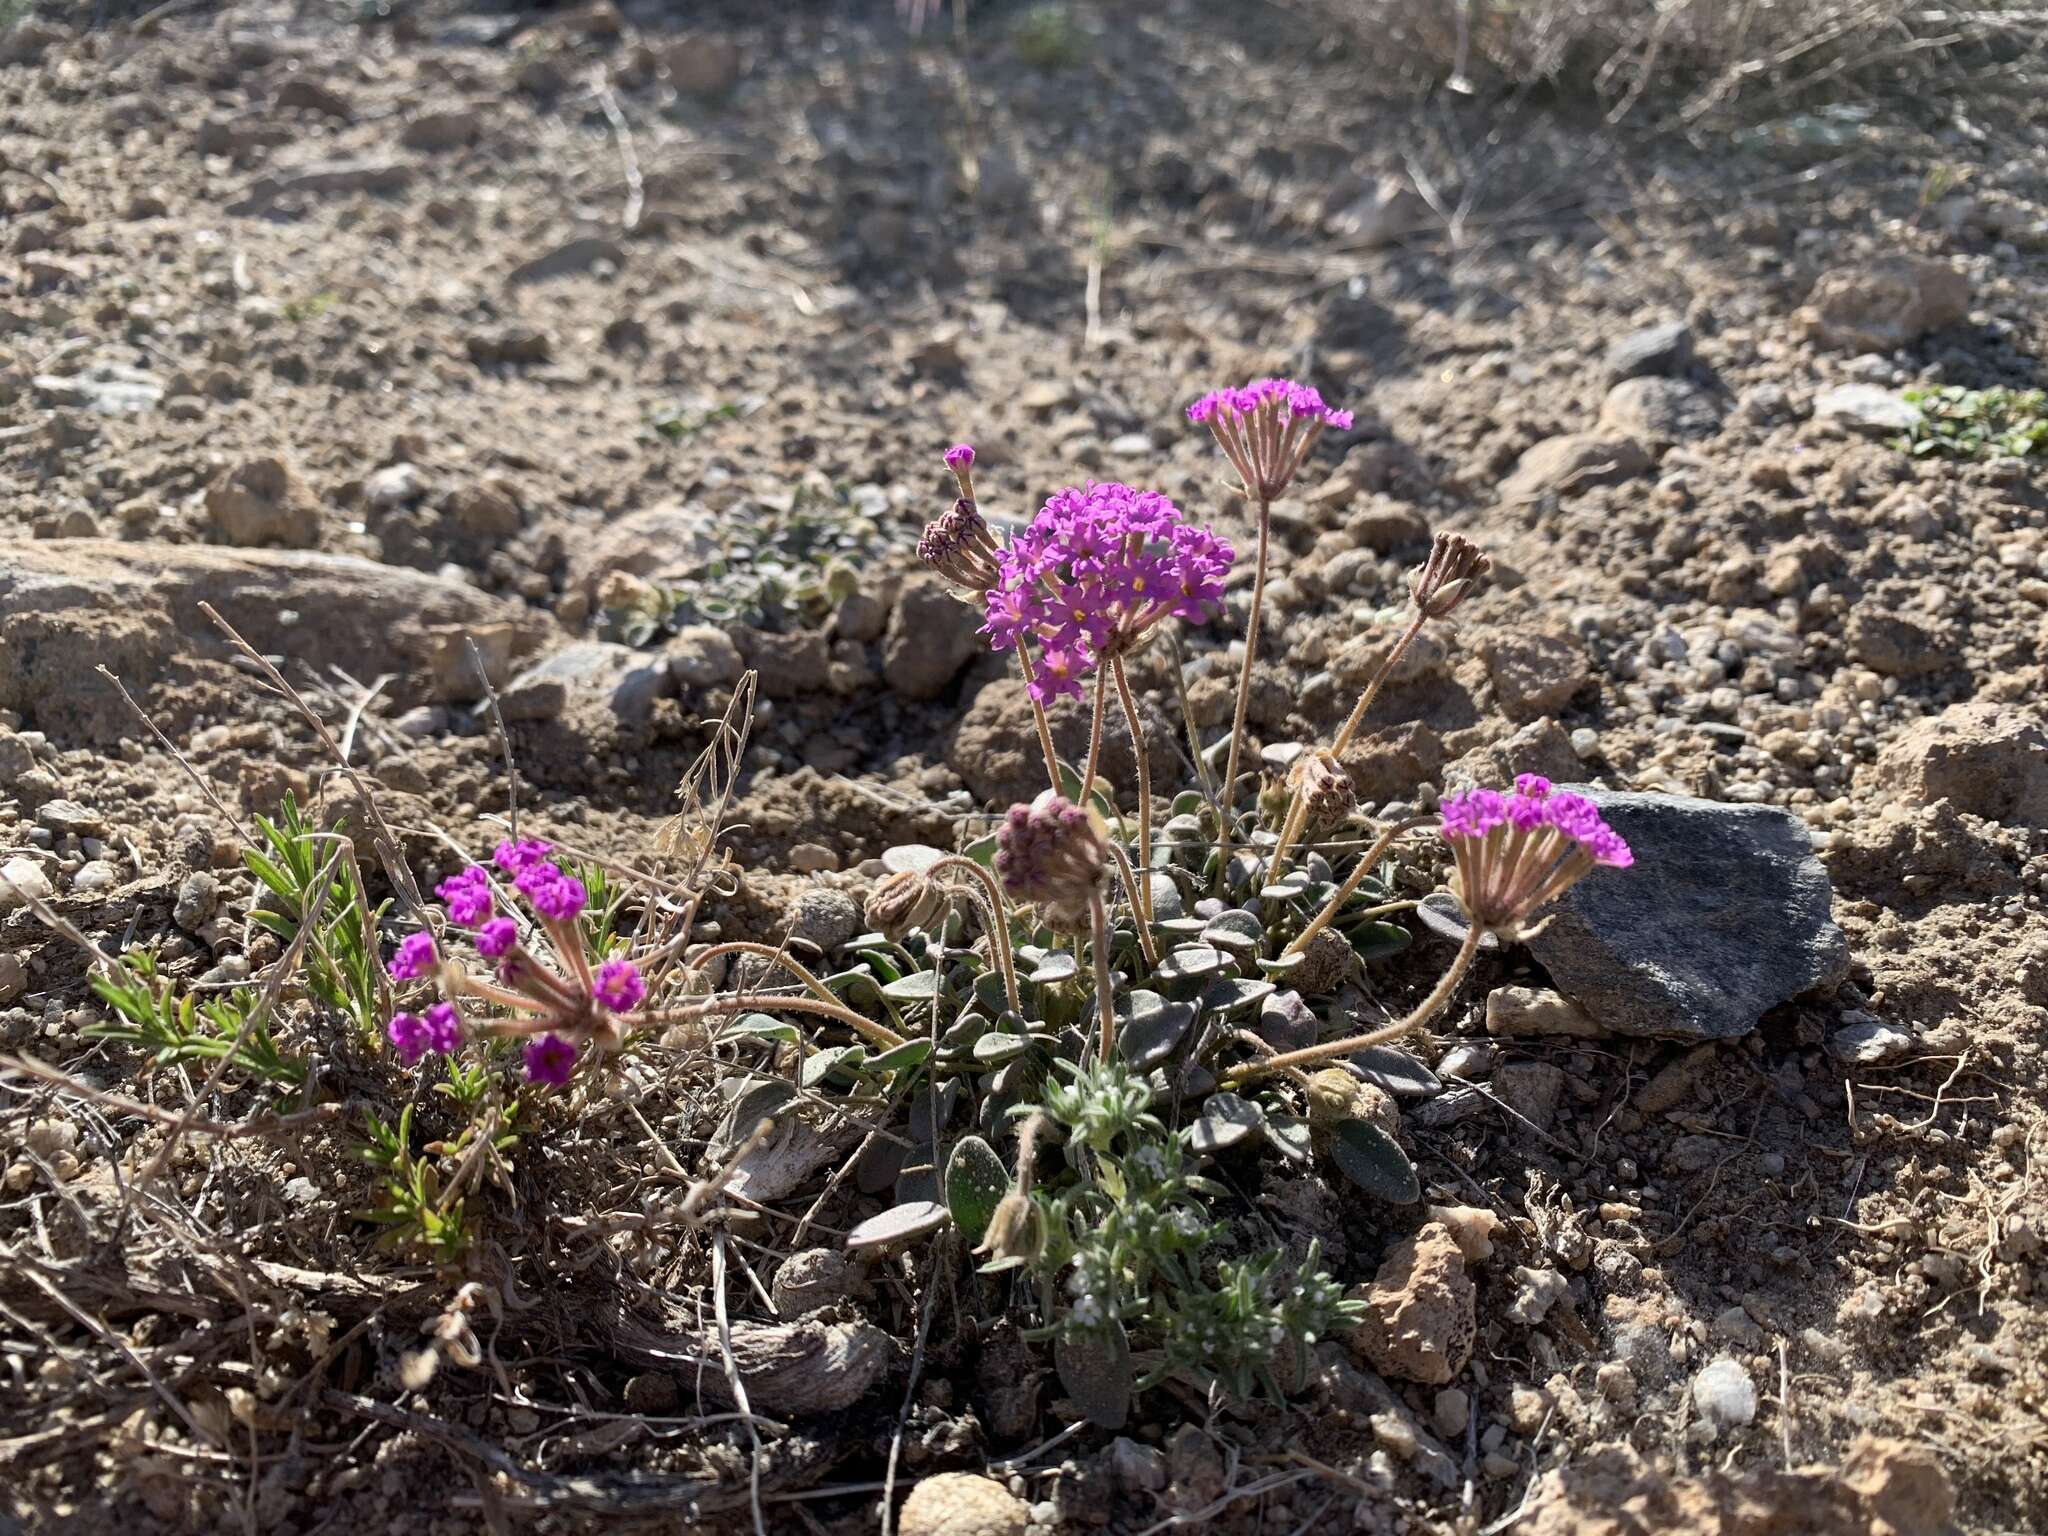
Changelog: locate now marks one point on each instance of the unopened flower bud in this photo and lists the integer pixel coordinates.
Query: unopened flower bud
(1054, 854)
(906, 900)
(1325, 788)
(1450, 575)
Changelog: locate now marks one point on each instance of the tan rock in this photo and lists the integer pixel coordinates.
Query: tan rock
(1536, 674)
(962, 1504)
(1537, 1011)
(1989, 759)
(1420, 1321)
(1566, 465)
(1881, 306)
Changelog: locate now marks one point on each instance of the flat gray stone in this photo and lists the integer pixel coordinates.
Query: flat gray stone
(1867, 408)
(1726, 913)
(623, 680)
(1654, 351)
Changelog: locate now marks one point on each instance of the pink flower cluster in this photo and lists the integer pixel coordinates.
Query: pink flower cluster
(559, 1004)
(1532, 805)
(1299, 400)
(1095, 570)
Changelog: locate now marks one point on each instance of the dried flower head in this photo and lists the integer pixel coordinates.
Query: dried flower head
(1016, 1232)
(1054, 854)
(1450, 575)
(1326, 791)
(958, 545)
(908, 899)
(1266, 430)
(1519, 852)
(1097, 570)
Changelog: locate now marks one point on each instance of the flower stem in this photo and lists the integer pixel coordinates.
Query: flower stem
(1425, 1011)
(1105, 995)
(994, 915)
(1244, 689)
(1141, 894)
(1290, 829)
(781, 957)
(1143, 925)
(1052, 761)
(768, 1002)
(1379, 681)
(1353, 880)
(1095, 736)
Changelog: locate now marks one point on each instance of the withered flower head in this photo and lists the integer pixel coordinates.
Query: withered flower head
(906, 900)
(1450, 575)
(1325, 788)
(958, 545)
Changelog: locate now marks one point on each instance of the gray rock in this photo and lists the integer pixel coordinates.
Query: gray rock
(65, 816)
(578, 255)
(22, 880)
(825, 917)
(395, 485)
(620, 679)
(932, 635)
(1531, 1089)
(1660, 411)
(1661, 350)
(108, 388)
(198, 897)
(96, 875)
(1867, 408)
(703, 657)
(1724, 1394)
(1864, 1040)
(1725, 914)
(433, 131)
(13, 978)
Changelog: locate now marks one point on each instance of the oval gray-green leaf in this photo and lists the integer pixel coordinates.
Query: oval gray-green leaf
(976, 1182)
(995, 1048)
(1056, 967)
(1166, 899)
(899, 1224)
(1374, 1161)
(1283, 964)
(1225, 1120)
(820, 1065)
(917, 987)
(1403, 1075)
(1094, 1366)
(1379, 941)
(1151, 1034)
(1232, 996)
(905, 856)
(759, 1026)
(1192, 962)
(897, 1058)
(1289, 1136)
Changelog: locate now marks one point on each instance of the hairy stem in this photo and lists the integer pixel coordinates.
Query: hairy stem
(1105, 994)
(1353, 880)
(1290, 830)
(1145, 942)
(1379, 681)
(781, 957)
(1141, 894)
(1423, 1013)
(768, 1002)
(1052, 761)
(1228, 792)
(1095, 735)
(995, 915)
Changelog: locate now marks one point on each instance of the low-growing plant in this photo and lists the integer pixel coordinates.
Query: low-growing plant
(180, 1030)
(310, 883)
(1976, 423)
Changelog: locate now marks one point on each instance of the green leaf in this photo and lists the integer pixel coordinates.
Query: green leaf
(1059, 965)
(1225, 1121)
(1153, 1028)
(899, 1224)
(1094, 1365)
(1379, 941)
(917, 987)
(1289, 1135)
(1374, 1161)
(983, 851)
(911, 1053)
(1192, 962)
(976, 1182)
(996, 1047)
(759, 1026)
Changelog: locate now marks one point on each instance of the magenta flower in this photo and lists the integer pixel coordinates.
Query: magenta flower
(1266, 430)
(414, 957)
(513, 857)
(467, 896)
(554, 895)
(619, 985)
(1092, 575)
(1517, 853)
(407, 1033)
(442, 1027)
(550, 1060)
(495, 939)
(959, 456)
